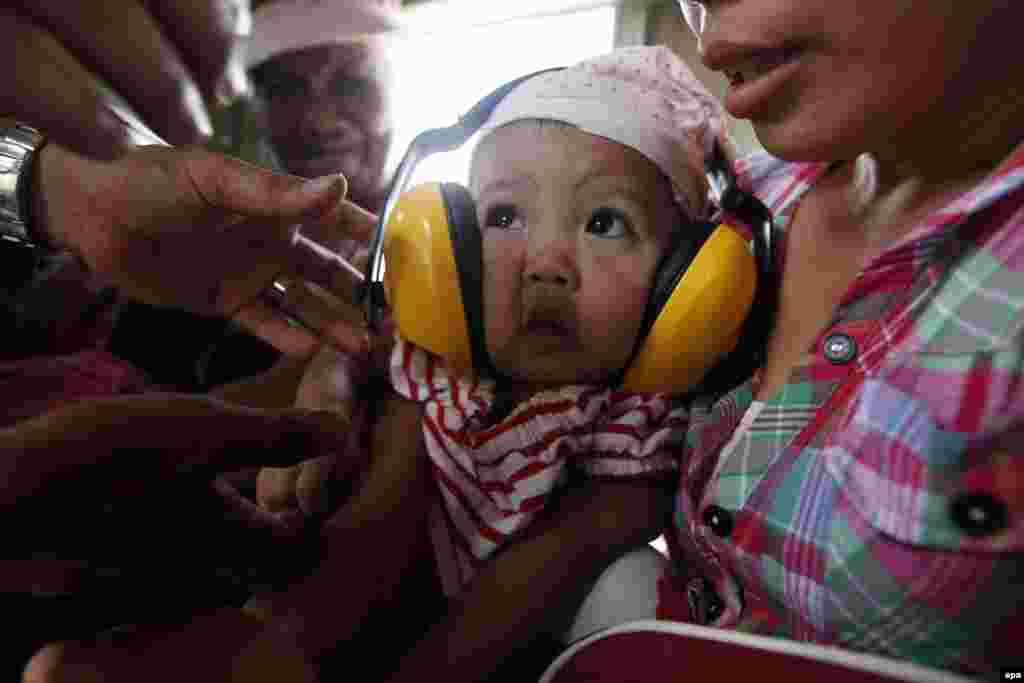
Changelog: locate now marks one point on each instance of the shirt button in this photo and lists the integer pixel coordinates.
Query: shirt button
(979, 514)
(705, 605)
(718, 520)
(839, 348)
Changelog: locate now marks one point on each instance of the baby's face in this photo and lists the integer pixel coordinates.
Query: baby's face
(574, 226)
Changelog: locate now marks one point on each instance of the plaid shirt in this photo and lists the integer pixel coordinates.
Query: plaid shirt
(877, 500)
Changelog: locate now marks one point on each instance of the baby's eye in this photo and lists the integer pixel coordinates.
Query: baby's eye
(501, 216)
(608, 223)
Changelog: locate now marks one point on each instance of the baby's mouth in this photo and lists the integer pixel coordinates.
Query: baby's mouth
(549, 322)
(553, 327)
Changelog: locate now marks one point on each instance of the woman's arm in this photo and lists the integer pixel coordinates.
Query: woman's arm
(536, 584)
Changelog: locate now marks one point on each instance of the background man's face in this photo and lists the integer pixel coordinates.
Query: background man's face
(327, 111)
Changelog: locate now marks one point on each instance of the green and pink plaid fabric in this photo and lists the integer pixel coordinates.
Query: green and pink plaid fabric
(877, 501)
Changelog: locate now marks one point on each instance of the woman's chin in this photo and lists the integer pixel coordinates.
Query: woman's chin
(806, 138)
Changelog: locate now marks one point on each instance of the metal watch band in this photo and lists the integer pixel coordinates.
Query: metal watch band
(18, 144)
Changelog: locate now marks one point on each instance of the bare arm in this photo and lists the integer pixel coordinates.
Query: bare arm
(538, 582)
(360, 569)
(288, 631)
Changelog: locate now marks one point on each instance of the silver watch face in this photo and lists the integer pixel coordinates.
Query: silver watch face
(17, 144)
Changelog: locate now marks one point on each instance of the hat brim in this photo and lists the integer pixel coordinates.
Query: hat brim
(286, 26)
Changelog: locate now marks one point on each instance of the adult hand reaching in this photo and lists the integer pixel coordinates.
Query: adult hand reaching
(192, 229)
(123, 481)
(165, 58)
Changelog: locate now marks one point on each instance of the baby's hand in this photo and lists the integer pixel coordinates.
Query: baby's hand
(328, 383)
(303, 487)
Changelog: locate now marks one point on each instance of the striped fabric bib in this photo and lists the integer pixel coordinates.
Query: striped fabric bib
(493, 479)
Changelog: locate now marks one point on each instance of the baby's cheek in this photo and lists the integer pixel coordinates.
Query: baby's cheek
(612, 302)
(502, 281)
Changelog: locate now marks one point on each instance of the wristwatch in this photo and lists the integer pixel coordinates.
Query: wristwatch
(20, 253)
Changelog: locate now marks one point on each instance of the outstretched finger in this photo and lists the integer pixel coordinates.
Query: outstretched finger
(253, 527)
(117, 655)
(210, 38)
(315, 262)
(297, 319)
(123, 44)
(236, 186)
(84, 117)
(152, 436)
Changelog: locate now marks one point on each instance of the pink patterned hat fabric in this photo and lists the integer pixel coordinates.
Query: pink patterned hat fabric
(644, 97)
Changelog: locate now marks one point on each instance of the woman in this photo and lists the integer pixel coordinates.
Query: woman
(863, 488)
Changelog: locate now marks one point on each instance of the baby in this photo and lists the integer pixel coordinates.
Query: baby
(584, 180)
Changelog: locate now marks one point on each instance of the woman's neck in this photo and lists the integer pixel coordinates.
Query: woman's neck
(924, 169)
(884, 195)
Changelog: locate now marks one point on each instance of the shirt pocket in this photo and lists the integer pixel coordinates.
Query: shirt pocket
(931, 452)
(925, 536)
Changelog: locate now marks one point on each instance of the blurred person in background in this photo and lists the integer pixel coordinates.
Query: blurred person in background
(321, 105)
(323, 79)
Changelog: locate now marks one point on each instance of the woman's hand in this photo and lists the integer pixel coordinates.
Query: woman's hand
(134, 480)
(164, 61)
(189, 228)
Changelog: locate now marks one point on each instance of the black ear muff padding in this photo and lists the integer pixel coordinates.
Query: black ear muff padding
(670, 272)
(752, 347)
(684, 249)
(468, 245)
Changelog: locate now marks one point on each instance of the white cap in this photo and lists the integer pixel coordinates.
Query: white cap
(287, 25)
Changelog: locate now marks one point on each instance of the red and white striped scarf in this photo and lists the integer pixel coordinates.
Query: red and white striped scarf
(493, 479)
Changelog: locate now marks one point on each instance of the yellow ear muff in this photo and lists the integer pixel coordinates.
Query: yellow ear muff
(421, 279)
(702, 319)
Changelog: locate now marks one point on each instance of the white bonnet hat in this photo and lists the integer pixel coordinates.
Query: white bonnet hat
(644, 97)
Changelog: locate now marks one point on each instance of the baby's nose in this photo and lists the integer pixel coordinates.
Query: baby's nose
(554, 268)
(548, 276)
